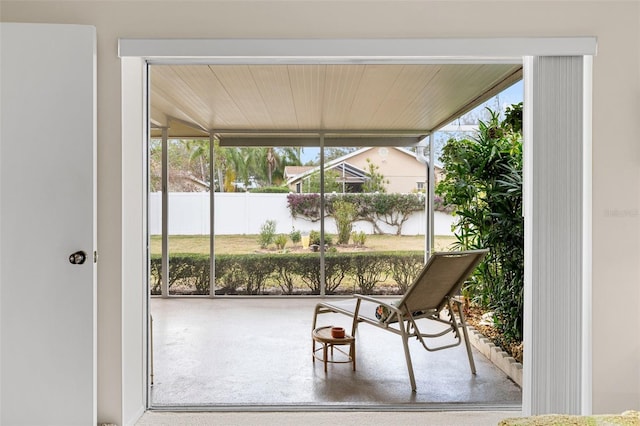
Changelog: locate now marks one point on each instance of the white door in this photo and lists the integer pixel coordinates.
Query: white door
(47, 213)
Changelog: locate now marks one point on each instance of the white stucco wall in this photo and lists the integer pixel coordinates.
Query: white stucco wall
(245, 213)
(616, 151)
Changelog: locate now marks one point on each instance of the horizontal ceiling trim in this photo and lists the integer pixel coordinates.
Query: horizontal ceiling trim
(327, 132)
(355, 50)
(315, 141)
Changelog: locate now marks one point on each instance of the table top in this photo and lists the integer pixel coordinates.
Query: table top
(323, 335)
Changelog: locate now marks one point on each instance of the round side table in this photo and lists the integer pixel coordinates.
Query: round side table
(323, 336)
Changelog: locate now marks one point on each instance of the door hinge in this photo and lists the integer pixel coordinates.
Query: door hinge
(95, 256)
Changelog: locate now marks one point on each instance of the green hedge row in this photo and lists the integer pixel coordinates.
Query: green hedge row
(252, 274)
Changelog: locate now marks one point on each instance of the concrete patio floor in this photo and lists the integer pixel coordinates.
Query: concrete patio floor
(255, 353)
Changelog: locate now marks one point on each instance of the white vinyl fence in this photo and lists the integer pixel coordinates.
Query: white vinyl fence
(244, 213)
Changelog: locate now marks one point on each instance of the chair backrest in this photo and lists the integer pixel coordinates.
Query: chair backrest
(442, 276)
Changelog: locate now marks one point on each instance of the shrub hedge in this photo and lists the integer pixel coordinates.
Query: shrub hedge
(282, 273)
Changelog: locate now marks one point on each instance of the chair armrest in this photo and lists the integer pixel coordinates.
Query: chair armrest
(379, 302)
(395, 312)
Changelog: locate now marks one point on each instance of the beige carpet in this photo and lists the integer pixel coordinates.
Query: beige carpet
(363, 418)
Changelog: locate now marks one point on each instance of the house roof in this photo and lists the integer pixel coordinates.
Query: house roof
(355, 104)
(343, 162)
(292, 171)
(349, 173)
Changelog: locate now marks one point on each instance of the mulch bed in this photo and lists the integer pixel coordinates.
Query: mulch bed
(473, 315)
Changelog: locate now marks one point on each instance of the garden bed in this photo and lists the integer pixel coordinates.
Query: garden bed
(474, 317)
(488, 341)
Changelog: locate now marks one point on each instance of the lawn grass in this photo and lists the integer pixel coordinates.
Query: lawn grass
(240, 244)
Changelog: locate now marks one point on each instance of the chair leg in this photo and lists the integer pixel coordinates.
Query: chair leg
(315, 317)
(353, 355)
(407, 354)
(324, 355)
(465, 333)
(356, 312)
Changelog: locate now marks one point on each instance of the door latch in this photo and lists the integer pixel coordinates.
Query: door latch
(78, 258)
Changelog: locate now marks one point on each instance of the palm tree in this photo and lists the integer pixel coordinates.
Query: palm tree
(271, 163)
(199, 151)
(276, 159)
(236, 162)
(244, 163)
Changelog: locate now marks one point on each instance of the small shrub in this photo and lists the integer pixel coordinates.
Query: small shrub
(285, 273)
(359, 238)
(308, 268)
(271, 190)
(314, 238)
(231, 278)
(281, 241)
(224, 281)
(189, 271)
(295, 236)
(267, 233)
(336, 268)
(244, 274)
(344, 214)
(258, 269)
(405, 269)
(369, 270)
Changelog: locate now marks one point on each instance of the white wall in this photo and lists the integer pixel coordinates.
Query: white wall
(244, 213)
(616, 151)
(133, 295)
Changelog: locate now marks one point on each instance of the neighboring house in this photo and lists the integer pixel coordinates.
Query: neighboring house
(401, 168)
(291, 172)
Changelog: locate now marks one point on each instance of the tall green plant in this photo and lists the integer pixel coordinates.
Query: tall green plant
(331, 184)
(267, 233)
(483, 180)
(344, 214)
(376, 182)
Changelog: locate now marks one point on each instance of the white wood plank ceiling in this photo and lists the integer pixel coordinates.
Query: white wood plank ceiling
(258, 104)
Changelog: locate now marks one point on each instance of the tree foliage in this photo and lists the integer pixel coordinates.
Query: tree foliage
(331, 184)
(188, 165)
(235, 168)
(376, 182)
(393, 209)
(483, 180)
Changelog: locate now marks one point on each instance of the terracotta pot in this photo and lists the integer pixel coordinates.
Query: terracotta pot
(337, 332)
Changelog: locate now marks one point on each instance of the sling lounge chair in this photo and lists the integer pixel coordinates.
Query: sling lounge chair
(435, 288)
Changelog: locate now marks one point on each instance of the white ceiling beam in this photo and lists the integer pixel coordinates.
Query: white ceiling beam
(350, 51)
